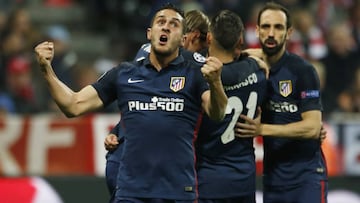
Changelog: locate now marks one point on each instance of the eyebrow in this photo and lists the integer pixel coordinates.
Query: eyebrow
(174, 18)
(276, 24)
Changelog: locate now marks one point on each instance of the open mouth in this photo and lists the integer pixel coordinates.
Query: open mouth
(270, 43)
(163, 39)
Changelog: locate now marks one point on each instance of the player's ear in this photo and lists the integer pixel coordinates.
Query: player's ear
(238, 47)
(191, 36)
(257, 31)
(289, 33)
(148, 33)
(209, 37)
(196, 33)
(183, 39)
(241, 41)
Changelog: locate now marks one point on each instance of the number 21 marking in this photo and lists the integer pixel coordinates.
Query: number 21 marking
(234, 103)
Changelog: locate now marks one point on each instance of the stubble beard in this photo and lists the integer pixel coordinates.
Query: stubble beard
(162, 53)
(272, 51)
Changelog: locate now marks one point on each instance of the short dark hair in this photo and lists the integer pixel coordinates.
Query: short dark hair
(170, 6)
(278, 7)
(227, 28)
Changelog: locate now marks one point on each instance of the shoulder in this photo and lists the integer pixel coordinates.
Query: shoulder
(244, 70)
(245, 65)
(298, 61)
(303, 70)
(199, 58)
(250, 62)
(193, 57)
(143, 52)
(123, 66)
(129, 65)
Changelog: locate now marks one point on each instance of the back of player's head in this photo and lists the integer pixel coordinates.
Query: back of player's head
(170, 6)
(276, 7)
(197, 20)
(227, 29)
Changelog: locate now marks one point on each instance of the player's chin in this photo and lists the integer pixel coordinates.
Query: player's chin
(163, 51)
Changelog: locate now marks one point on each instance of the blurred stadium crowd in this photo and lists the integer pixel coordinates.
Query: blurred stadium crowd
(93, 36)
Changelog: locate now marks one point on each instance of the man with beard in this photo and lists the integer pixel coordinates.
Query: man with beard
(160, 98)
(290, 123)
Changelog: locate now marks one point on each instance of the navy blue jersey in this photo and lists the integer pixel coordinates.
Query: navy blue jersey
(226, 164)
(113, 157)
(142, 53)
(293, 88)
(159, 115)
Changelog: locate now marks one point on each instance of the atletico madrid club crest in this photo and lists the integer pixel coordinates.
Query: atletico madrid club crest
(285, 87)
(177, 83)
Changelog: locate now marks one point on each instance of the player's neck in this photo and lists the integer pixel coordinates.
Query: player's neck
(275, 58)
(223, 55)
(162, 61)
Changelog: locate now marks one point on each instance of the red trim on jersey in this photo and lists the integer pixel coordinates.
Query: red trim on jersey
(196, 132)
(322, 182)
(323, 156)
(322, 185)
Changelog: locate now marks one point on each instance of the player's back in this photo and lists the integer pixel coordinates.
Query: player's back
(226, 164)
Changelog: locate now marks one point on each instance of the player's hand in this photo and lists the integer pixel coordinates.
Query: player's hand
(211, 70)
(255, 52)
(262, 64)
(250, 127)
(111, 142)
(260, 58)
(322, 135)
(44, 54)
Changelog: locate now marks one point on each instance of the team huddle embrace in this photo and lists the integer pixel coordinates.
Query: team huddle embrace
(191, 103)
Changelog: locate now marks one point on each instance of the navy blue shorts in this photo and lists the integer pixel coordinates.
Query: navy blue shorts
(314, 192)
(111, 172)
(149, 200)
(242, 199)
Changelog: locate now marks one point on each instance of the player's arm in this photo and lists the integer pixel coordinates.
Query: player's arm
(257, 52)
(308, 127)
(258, 55)
(71, 103)
(262, 65)
(214, 101)
(323, 133)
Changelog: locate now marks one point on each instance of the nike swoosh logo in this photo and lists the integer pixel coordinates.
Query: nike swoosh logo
(134, 81)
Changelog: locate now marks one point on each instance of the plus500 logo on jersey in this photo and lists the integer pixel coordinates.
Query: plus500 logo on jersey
(283, 107)
(158, 103)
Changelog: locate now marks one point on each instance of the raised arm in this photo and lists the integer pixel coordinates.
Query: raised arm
(71, 103)
(214, 101)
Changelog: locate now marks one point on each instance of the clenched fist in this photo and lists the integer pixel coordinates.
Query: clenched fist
(44, 55)
(212, 69)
